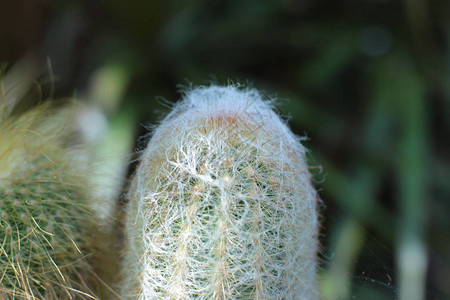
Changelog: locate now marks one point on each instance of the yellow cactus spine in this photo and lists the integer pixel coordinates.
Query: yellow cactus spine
(44, 210)
(221, 205)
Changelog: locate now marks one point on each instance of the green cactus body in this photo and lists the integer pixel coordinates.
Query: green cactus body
(44, 213)
(222, 206)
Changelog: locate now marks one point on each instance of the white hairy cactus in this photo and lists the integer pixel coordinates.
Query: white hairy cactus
(222, 205)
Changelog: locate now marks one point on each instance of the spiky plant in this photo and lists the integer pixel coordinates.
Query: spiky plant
(44, 211)
(221, 205)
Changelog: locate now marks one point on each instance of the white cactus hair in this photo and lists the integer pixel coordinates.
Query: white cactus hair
(222, 205)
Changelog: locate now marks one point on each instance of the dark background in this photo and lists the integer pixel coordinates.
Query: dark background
(367, 81)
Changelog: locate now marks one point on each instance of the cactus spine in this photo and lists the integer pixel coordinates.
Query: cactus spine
(44, 214)
(221, 205)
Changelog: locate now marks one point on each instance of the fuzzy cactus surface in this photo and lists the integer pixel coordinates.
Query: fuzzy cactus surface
(44, 211)
(222, 205)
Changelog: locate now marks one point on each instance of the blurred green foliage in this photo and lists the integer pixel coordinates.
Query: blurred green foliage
(368, 81)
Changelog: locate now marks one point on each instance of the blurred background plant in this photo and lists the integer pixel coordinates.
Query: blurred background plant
(368, 81)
